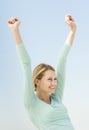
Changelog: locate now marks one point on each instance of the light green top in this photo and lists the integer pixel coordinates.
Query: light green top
(45, 116)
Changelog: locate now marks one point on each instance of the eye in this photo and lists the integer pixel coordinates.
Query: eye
(55, 78)
(49, 79)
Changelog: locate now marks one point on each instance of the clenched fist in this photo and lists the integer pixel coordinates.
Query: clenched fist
(70, 21)
(13, 23)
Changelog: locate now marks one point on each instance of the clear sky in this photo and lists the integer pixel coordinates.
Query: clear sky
(44, 32)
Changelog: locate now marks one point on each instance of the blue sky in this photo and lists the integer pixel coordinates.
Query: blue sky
(44, 32)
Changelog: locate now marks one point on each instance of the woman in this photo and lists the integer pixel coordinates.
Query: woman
(44, 88)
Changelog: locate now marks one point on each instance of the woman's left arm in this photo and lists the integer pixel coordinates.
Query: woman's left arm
(63, 56)
(70, 21)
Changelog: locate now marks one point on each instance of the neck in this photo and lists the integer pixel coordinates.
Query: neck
(44, 96)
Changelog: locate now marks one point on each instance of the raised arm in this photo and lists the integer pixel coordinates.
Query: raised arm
(29, 96)
(63, 56)
(70, 21)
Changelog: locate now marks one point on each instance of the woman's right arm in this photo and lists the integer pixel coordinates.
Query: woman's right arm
(29, 95)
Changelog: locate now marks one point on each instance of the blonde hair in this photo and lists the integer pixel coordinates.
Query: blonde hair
(39, 71)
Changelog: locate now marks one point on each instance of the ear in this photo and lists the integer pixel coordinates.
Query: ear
(37, 81)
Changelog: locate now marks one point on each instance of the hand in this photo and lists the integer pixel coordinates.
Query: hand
(13, 23)
(70, 21)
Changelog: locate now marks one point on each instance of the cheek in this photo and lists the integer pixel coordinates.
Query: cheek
(44, 83)
(55, 83)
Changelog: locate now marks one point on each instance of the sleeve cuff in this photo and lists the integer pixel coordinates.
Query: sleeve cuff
(19, 45)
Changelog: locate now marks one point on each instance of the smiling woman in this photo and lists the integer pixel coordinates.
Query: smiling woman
(41, 71)
(44, 105)
(46, 84)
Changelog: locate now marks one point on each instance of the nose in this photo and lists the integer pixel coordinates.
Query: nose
(54, 82)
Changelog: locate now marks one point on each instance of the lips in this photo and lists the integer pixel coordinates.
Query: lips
(52, 87)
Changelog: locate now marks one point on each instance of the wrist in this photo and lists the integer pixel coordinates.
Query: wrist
(73, 29)
(15, 29)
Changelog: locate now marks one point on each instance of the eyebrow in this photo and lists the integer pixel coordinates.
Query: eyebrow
(51, 77)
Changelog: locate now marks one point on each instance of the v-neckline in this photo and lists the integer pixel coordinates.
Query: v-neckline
(44, 101)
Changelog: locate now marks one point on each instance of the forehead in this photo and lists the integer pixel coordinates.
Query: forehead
(50, 73)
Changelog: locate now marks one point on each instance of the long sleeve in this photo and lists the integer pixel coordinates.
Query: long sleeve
(27, 75)
(61, 68)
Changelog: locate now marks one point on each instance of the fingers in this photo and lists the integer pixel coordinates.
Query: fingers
(13, 20)
(70, 21)
(69, 18)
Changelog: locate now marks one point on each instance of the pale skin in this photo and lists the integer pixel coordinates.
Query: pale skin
(46, 85)
(48, 82)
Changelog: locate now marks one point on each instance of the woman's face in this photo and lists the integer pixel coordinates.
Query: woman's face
(48, 82)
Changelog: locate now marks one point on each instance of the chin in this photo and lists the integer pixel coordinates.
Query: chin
(52, 92)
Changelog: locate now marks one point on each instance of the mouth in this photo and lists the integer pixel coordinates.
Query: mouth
(52, 88)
